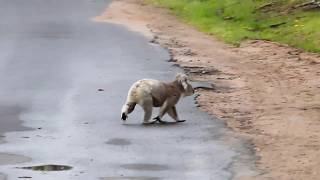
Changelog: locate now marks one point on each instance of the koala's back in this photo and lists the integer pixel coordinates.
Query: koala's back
(148, 88)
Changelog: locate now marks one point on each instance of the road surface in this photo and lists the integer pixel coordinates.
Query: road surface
(53, 62)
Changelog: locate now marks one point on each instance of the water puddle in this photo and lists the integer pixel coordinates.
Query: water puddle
(201, 70)
(145, 167)
(211, 86)
(118, 142)
(202, 85)
(47, 168)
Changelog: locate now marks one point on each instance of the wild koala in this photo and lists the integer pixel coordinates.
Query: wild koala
(149, 93)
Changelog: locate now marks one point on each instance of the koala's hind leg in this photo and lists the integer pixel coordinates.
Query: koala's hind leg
(167, 105)
(131, 107)
(147, 106)
(127, 109)
(166, 108)
(173, 113)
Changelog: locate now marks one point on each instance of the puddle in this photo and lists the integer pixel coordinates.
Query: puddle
(145, 167)
(118, 142)
(201, 70)
(202, 85)
(7, 159)
(210, 86)
(130, 178)
(47, 168)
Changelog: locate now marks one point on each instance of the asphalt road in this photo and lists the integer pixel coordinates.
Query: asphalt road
(53, 60)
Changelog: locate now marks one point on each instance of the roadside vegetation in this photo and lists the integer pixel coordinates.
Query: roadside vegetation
(293, 22)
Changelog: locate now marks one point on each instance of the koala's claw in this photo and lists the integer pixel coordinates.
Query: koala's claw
(148, 123)
(163, 122)
(181, 121)
(158, 119)
(124, 116)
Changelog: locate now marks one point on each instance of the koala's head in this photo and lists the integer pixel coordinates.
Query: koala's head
(184, 81)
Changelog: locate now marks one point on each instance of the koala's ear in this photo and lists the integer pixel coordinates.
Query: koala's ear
(178, 76)
(183, 79)
(184, 84)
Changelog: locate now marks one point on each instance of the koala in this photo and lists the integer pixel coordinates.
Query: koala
(149, 93)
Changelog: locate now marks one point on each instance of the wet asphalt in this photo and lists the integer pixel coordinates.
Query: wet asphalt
(63, 81)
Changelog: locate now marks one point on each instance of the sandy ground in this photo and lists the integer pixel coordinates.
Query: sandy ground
(265, 91)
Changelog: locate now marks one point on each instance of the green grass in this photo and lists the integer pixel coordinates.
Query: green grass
(236, 20)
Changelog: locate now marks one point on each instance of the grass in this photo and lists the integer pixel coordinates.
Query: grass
(236, 20)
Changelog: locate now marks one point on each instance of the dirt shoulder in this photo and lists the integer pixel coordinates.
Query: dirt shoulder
(263, 90)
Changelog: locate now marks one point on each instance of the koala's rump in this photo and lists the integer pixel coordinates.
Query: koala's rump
(149, 88)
